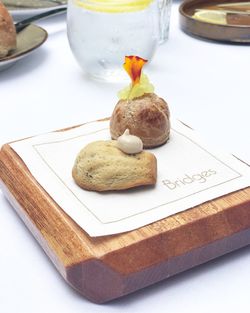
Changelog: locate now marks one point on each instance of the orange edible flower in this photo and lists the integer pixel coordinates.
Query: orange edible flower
(133, 66)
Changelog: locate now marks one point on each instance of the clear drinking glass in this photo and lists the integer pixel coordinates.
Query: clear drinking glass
(102, 32)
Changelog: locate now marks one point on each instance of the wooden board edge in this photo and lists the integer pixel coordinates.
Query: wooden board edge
(19, 188)
(110, 284)
(127, 279)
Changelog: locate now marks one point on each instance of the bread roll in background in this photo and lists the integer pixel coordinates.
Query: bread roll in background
(146, 117)
(7, 32)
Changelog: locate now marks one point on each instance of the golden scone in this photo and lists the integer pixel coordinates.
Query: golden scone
(7, 32)
(146, 117)
(102, 166)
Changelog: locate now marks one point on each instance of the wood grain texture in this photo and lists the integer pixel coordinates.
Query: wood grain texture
(108, 267)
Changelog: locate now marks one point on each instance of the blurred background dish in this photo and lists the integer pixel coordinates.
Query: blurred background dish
(220, 20)
(20, 8)
(28, 40)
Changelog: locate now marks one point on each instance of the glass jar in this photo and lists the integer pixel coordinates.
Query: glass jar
(102, 32)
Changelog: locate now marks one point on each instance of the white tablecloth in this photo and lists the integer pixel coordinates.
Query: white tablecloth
(206, 85)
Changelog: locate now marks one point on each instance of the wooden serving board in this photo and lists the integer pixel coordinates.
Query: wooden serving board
(105, 268)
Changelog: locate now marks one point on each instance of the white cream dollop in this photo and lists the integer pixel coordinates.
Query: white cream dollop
(129, 144)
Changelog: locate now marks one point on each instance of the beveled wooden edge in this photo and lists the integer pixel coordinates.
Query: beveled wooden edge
(99, 283)
(223, 33)
(109, 284)
(33, 229)
(32, 202)
(127, 261)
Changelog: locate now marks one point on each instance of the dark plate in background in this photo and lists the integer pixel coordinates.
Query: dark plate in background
(226, 33)
(28, 40)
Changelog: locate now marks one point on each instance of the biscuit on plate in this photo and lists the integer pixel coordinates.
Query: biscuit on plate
(102, 166)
